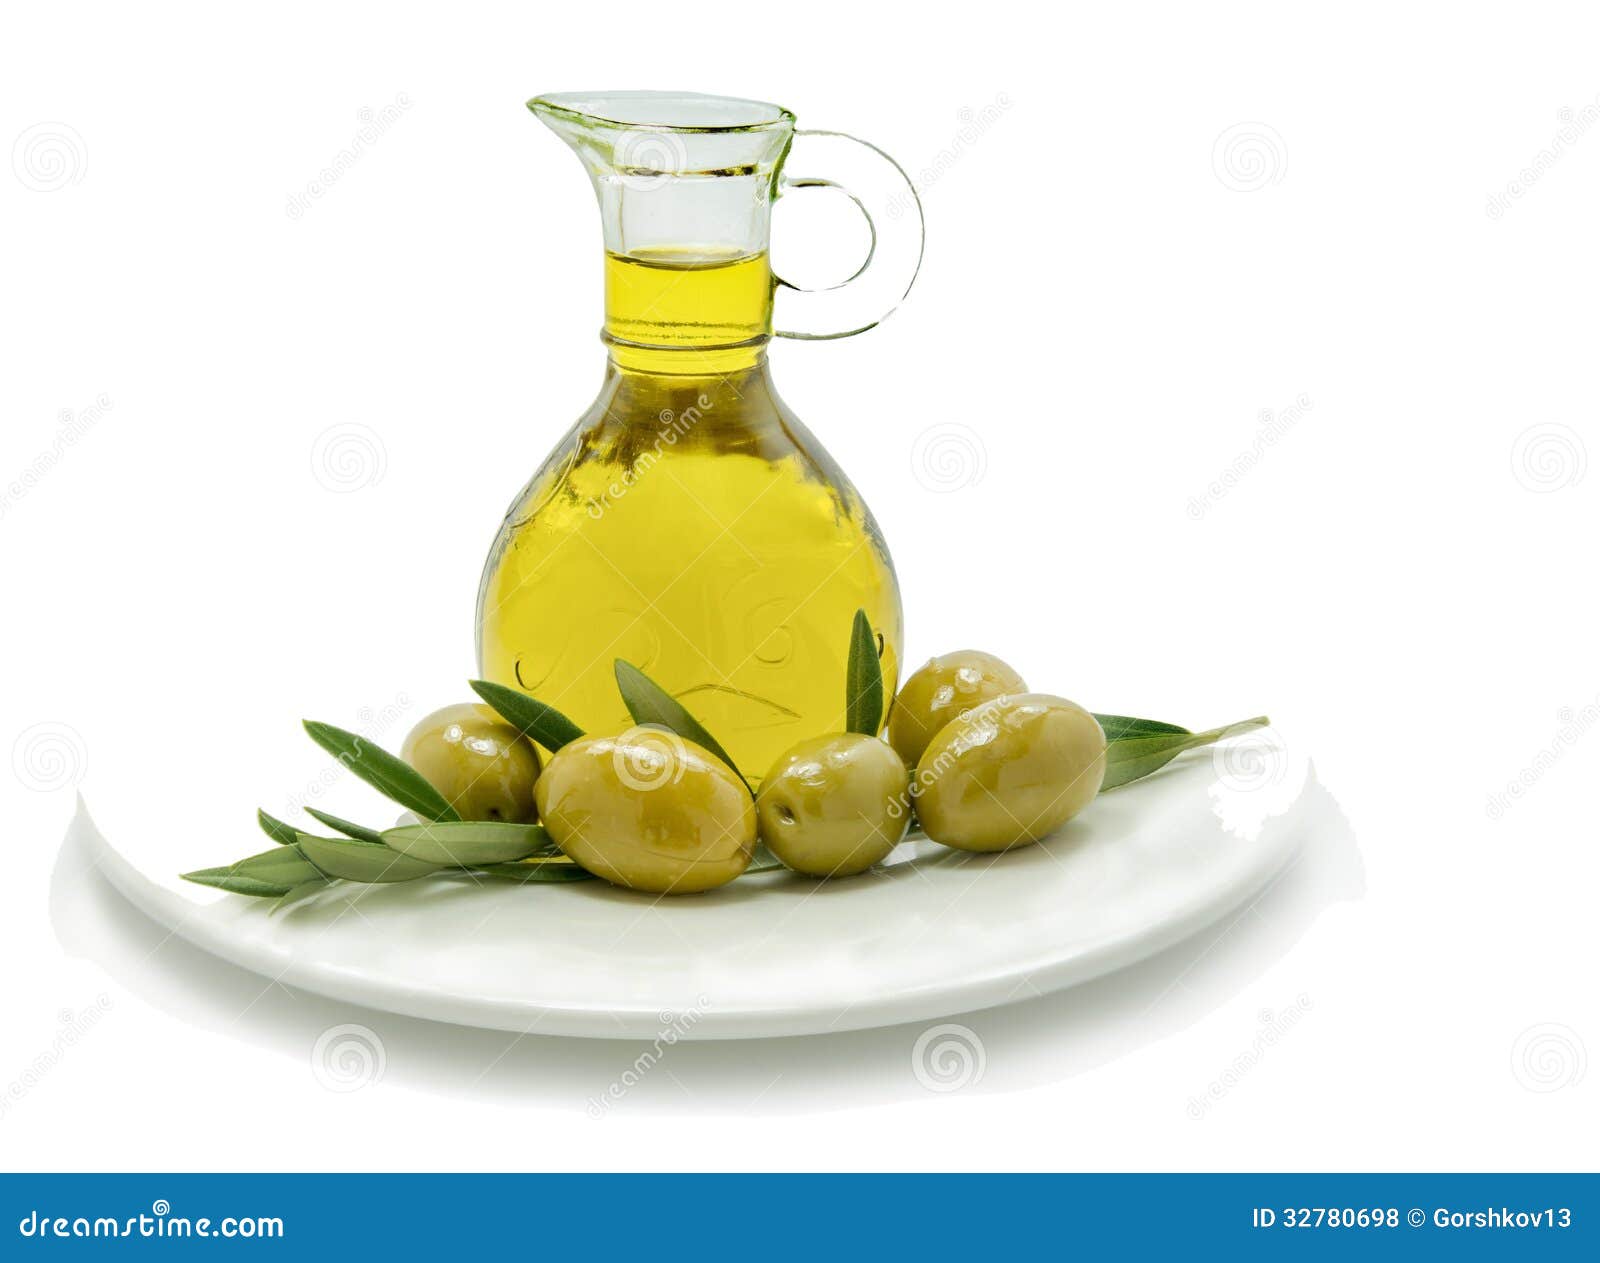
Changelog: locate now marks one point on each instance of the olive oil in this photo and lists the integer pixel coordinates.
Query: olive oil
(690, 525)
(688, 298)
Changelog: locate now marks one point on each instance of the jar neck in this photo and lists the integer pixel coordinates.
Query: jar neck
(687, 310)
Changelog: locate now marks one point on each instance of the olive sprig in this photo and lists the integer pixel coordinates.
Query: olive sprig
(445, 843)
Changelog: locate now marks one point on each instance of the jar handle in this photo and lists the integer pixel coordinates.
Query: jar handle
(886, 197)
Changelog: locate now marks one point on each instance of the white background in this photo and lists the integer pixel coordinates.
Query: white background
(1177, 221)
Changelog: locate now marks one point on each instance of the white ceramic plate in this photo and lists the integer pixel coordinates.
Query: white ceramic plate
(933, 933)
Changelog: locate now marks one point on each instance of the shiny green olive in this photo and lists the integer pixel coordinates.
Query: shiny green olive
(1009, 772)
(833, 806)
(483, 765)
(648, 810)
(944, 689)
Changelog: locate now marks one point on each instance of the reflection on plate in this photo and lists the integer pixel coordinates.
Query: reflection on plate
(931, 934)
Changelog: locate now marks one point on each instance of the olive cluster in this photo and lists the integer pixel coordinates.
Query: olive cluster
(983, 764)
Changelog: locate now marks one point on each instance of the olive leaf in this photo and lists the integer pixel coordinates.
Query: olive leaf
(380, 769)
(544, 724)
(649, 703)
(546, 869)
(347, 827)
(277, 830)
(366, 862)
(271, 873)
(238, 884)
(468, 842)
(1131, 757)
(863, 695)
(1118, 727)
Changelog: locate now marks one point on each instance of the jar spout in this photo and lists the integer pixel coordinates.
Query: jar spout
(676, 171)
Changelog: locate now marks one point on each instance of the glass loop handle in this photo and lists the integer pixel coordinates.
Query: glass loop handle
(888, 200)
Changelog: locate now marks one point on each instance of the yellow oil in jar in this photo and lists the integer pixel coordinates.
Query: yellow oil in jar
(692, 526)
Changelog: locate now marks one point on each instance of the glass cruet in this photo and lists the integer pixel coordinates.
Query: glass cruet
(688, 523)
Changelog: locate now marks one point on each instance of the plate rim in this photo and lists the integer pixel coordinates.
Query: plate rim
(1018, 981)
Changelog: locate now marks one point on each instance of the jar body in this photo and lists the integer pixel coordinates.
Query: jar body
(692, 526)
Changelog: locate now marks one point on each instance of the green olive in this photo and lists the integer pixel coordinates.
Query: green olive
(649, 810)
(483, 765)
(944, 689)
(1010, 772)
(833, 806)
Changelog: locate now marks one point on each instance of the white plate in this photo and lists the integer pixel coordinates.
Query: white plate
(934, 933)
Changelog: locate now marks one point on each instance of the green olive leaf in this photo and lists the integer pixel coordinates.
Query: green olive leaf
(1129, 758)
(533, 870)
(649, 703)
(388, 775)
(541, 723)
(274, 872)
(349, 828)
(349, 860)
(468, 843)
(1118, 727)
(863, 695)
(236, 884)
(277, 830)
